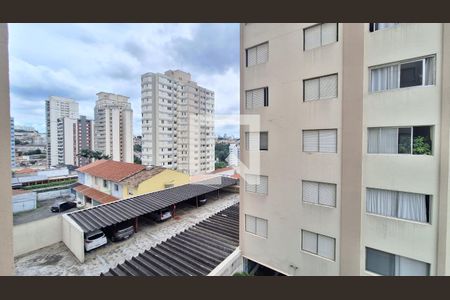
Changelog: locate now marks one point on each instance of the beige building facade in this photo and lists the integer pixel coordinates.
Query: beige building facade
(114, 126)
(345, 140)
(177, 123)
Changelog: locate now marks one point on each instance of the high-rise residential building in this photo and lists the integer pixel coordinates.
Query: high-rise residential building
(114, 126)
(233, 156)
(13, 143)
(345, 160)
(177, 123)
(74, 135)
(55, 108)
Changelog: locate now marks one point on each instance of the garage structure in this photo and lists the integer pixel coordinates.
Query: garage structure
(194, 252)
(102, 216)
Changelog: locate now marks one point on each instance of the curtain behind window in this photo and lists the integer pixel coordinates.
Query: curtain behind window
(388, 141)
(412, 206)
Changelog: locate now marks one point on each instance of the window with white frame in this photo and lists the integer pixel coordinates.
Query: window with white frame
(257, 226)
(379, 26)
(414, 72)
(256, 183)
(257, 98)
(324, 87)
(388, 264)
(257, 141)
(401, 205)
(320, 35)
(323, 140)
(319, 193)
(400, 140)
(257, 55)
(319, 244)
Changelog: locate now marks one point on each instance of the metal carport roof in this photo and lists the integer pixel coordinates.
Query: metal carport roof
(104, 215)
(195, 251)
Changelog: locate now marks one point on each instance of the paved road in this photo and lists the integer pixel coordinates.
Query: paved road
(57, 260)
(41, 212)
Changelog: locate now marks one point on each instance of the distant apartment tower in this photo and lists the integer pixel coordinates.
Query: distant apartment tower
(55, 108)
(177, 123)
(233, 156)
(74, 135)
(13, 143)
(350, 171)
(114, 126)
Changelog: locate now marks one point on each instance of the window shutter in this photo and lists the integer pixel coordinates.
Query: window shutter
(249, 99)
(311, 91)
(262, 53)
(258, 98)
(310, 141)
(312, 37)
(327, 141)
(329, 33)
(309, 241)
(327, 194)
(261, 227)
(251, 56)
(328, 87)
(310, 192)
(262, 185)
(250, 183)
(252, 139)
(250, 224)
(326, 246)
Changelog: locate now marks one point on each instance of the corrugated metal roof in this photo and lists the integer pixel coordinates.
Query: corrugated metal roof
(195, 251)
(104, 215)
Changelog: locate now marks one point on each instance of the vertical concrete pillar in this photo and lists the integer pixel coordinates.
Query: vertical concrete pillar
(352, 136)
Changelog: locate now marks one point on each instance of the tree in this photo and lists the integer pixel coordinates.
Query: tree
(222, 151)
(90, 154)
(420, 146)
(220, 165)
(137, 160)
(137, 148)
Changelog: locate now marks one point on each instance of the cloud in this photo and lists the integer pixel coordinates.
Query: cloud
(79, 60)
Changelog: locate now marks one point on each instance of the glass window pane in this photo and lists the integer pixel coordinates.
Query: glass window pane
(411, 74)
(422, 143)
(263, 141)
(404, 140)
(309, 241)
(380, 262)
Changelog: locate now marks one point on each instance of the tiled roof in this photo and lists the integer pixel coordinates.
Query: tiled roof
(136, 179)
(111, 169)
(26, 171)
(95, 194)
(222, 170)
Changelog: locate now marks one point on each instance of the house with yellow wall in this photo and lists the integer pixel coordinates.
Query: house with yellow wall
(104, 181)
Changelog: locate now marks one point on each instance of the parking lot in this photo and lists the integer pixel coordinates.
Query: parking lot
(57, 260)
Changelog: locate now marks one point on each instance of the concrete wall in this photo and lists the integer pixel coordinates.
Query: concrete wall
(53, 194)
(24, 202)
(73, 237)
(232, 264)
(6, 219)
(37, 234)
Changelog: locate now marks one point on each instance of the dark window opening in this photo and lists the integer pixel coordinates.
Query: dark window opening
(411, 74)
(263, 141)
(266, 96)
(422, 143)
(404, 140)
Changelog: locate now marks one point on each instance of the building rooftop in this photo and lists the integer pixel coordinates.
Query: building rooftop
(149, 172)
(111, 169)
(94, 194)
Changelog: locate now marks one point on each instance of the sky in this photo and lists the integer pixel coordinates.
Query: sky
(79, 60)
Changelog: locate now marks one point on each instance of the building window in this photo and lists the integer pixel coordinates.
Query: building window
(379, 26)
(257, 226)
(257, 141)
(318, 244)
(384, 263)
(319, 193)
(116, 187)
(325, 87)
(256, 184)
(401, 205)
(320, 35)
(405, 140)
(416, 72)
(324, 140)
(257, 98)
(257, 55)
(105, 183)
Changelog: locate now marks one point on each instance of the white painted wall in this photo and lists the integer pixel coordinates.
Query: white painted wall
(230, 265)
(73, 237)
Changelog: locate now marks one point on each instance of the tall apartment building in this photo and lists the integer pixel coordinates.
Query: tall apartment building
(346, 148)
(13, 143)
(74, 135)
(233, 156)
(55, 108)
(114, 126)
(177, 123)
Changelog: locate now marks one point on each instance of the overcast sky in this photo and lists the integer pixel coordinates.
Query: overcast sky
(79, 60)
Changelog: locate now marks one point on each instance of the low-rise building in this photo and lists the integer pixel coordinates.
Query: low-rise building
(105, 181)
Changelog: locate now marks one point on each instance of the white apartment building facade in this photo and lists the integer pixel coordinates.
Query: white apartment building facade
(177, 123)
(114, 126)
(74, 135)
(346, 170)
(55, 108)
(233, 156)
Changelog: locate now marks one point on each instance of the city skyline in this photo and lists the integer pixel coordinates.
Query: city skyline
(79, 60)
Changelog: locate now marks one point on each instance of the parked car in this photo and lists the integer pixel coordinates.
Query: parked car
(94, 240)
(201, 200)
(61, 206)
(161, 215)
(120, 231)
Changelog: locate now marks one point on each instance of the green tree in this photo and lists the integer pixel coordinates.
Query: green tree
(137, 148)
(137, 160)
(90, 154)
(421, 146)
(220, 165)
(222, 151)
